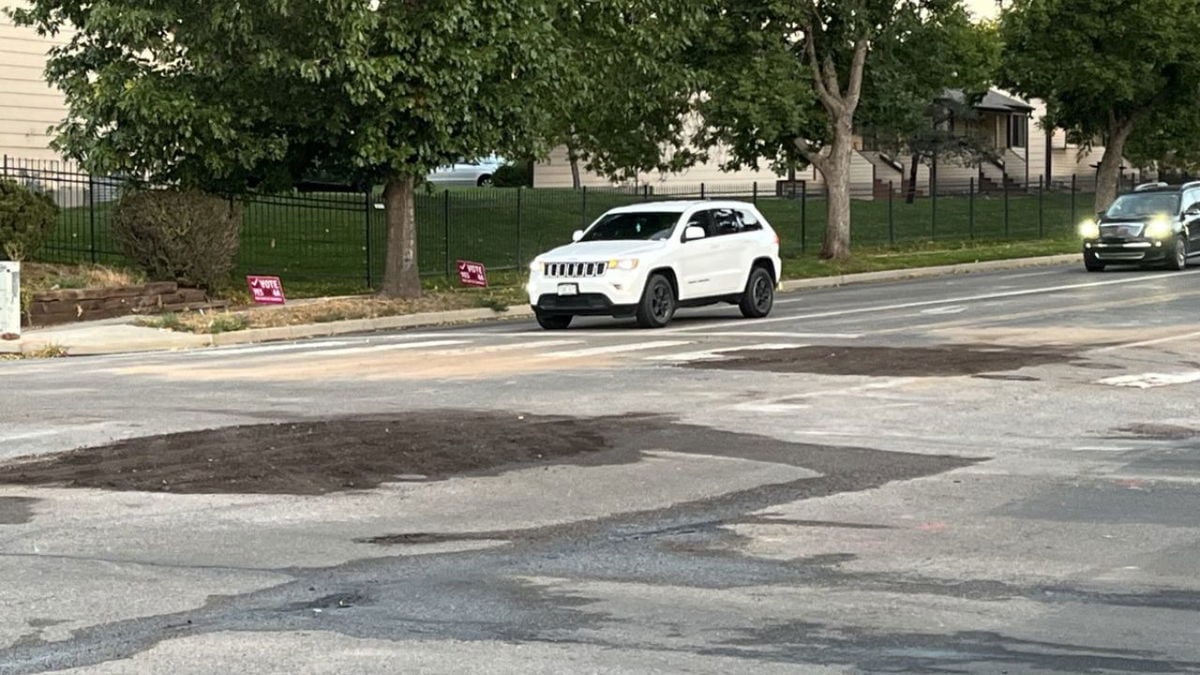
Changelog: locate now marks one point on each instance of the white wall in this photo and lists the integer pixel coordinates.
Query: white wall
(28, 106)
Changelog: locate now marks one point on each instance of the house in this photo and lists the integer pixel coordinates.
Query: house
(28, 105)
(1023, 155)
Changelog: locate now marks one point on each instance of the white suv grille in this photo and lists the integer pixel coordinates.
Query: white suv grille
(576, 270)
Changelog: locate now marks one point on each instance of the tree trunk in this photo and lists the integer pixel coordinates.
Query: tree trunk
(1110, 164)
(573, 159)
(910, 194)
(576, 181)
(401, 276)
(836, 172)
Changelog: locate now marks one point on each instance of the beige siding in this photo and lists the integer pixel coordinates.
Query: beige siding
(28, 106)
(555, 172)
(862, 176)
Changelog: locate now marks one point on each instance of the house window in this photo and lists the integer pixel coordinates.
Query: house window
(1018, 130)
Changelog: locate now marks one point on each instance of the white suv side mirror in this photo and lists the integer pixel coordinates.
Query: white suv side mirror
(577, 235)
(693, 232)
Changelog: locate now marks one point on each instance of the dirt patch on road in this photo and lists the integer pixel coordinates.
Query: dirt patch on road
(942, 361)
(16, 510)
(319, 457)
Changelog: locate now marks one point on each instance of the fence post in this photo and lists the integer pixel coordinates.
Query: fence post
(891, 213)
(702, 191)
(1041, 223)
(5, 174)
(1073, 211)
(803, 213)
(1004, 183)
(754, 199)
(583, 210)
(646, 192)
(92, 218)
(446, 224)
(368, 205)
(971, 209)
(933, 203)
(519, 260)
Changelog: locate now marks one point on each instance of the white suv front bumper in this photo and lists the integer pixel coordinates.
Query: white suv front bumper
(612, 292)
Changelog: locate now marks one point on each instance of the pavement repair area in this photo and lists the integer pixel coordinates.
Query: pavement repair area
(994, 472)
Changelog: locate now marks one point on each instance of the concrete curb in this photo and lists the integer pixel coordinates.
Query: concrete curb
(75, 339)
(425, 319)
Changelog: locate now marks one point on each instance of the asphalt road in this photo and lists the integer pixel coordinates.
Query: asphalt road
(980, 473)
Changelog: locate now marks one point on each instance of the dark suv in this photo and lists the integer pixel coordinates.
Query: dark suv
(1156, 223)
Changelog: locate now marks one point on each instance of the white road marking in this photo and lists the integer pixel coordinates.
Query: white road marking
(488, 349)
(265, 349)
(934, 303)
(719, 353)
(784, 334)
(1147, 343)
(955, 309)
(771, 407)
(396, 347)
(1151, 380)
(615, 349)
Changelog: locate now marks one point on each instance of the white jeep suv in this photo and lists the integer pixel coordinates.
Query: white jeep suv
(649, 259)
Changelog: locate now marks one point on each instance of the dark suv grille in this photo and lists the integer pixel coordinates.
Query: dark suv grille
(1122, 230)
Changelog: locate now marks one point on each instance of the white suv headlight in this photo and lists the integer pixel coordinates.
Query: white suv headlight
(623, 264)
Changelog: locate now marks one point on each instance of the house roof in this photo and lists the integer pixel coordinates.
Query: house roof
(993, 100)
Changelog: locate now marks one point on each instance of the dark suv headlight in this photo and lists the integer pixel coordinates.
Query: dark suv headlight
(1159, 227)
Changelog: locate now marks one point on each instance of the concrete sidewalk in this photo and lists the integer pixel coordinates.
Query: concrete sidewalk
(116, 336)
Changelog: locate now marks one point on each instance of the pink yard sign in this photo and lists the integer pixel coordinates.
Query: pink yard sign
(472, 273)
(266, 290)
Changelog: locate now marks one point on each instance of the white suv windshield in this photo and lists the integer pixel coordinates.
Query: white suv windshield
(1135, 205)
(635, 226)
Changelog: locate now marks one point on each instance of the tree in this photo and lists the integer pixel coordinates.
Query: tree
(226, 94)
(788, 83)
(629, 86)
(1105, 70)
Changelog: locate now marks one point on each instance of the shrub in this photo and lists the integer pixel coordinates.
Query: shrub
(26, 219)
(517, 174)
(185, 236)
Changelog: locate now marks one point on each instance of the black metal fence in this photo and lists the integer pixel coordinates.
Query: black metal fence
(337, 239)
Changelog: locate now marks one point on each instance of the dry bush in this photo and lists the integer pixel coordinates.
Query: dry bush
(187, 236)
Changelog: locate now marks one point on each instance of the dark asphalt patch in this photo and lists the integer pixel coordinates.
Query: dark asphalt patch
(16, 510)
(356, 453)
(944, 361)
(310, 458)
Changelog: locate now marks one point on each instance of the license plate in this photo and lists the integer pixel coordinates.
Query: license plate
(568, 289)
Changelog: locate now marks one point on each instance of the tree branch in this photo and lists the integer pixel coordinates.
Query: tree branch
(828, 98)
(857, 66)
(811, 153)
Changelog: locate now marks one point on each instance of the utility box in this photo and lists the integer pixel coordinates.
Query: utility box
(10, 300)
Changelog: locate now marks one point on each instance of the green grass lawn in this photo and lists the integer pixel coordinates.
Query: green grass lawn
(334, 243)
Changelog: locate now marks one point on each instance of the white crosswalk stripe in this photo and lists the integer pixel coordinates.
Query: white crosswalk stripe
(719, 353)
(615, 349)
(1152, 380)
(515, 346)
(395, 347)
